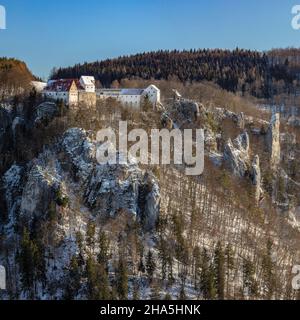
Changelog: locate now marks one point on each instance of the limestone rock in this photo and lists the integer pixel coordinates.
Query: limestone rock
(190, 110)
(210, 140)
(256, 177)
(273, 141)
(241, 120)
(236, 155)
(103, 190)
(216, 158)
(18, 128)
(45, 112)
(242, 142)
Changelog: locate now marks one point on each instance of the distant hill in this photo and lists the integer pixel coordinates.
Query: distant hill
(14, 74)
(256, 73)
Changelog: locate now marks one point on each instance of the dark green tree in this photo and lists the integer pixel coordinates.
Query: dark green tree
(150, 266)
(122, 279)
(249, 281)
(219, 266)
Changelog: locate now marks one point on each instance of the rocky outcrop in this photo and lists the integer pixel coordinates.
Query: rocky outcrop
(242, 143)
(105, 190)
(236, 155)
(241, 120)
(39, 191)
(115, 188)
(273, 141)
(66, 188)
(18, 129)
(45, 112)
(211, 140)
(256, 177)
(188, 109)
(216, 158)
(13, 186)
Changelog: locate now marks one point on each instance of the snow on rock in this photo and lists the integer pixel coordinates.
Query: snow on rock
(104, 189)
(273, 140)
(80, 152)
(236, 154)
(210, 139)
(115, 188)
(92, 190)
(216, 158)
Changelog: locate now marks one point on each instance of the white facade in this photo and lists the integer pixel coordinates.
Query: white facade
(153, 94)
(88, 83)
(63, 89)
(38, 85)
(66, 97)
(132, 97)
(69, 90)
(73, 92)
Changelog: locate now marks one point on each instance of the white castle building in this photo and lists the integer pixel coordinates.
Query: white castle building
(132, 97)
(74, 91)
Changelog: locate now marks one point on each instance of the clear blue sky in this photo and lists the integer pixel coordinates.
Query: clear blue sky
(48, 33)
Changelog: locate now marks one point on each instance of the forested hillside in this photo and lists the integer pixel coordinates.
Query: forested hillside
(73, 229)
(14, 76)
(245, 71)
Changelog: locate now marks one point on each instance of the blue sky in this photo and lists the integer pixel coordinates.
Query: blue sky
(51, 33)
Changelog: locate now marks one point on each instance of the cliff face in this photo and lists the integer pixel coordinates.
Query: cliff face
(70, 168)
(236, 154)
(66, 217)
(67, 186)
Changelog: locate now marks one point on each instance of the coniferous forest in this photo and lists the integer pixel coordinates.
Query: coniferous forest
(261, 74)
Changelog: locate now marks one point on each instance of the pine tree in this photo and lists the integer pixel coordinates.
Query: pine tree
(90, 235)
(122, 279)
(229, 258)
(98, 286)
(79, 242)
(249, 282)
(150, 266)
(268, 268)
(104, 245)
(205, 273)
(104, 285)
(136, 291)
(163, 256)
(212, 291)
(197, 267)
(92, 281)
(219, 266)
(74, 278)
(31, 261)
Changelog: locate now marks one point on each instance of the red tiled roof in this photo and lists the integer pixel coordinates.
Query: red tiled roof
(63, 85)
